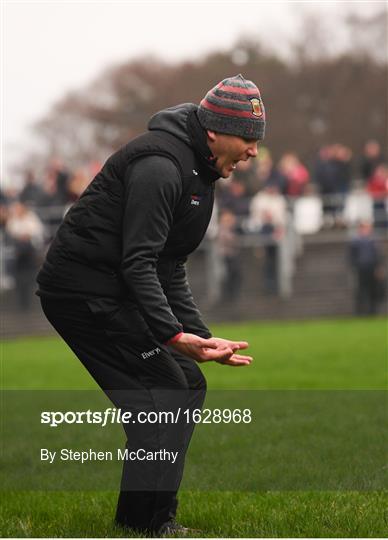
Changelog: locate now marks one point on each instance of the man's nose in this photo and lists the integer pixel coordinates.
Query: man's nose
(252, 150)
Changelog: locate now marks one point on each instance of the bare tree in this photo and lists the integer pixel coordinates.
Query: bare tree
(319, 97)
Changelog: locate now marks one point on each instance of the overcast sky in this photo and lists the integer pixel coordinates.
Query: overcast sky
(49, 48)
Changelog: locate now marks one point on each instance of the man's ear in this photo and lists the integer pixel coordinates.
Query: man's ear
(211, 134)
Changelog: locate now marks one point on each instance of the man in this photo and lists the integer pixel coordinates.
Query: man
(114, 284)
(367, 262)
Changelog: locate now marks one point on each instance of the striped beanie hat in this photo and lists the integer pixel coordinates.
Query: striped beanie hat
(234, 106)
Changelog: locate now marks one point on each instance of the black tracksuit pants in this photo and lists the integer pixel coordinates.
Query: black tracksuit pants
(107, 339)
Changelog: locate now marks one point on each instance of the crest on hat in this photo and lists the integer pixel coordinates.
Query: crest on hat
(257, 107)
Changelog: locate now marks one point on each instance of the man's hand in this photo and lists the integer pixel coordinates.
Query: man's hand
(236, 359)
(216, 349)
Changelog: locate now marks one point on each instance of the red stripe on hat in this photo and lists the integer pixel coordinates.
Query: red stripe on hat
(227, 111)
(240, 90)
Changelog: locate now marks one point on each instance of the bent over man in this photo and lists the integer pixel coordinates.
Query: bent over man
(114, 285)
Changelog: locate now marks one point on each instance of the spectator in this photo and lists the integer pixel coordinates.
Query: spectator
(78, 182)
(378, 188)
(325, 178)
(323, 170)
(228, 247)
(271, 234)
(3, 209)
(308, 212)
(60, 176)
(50, 195)
(3, 215)
(341, 161)
(378, 183)
(235, 199)
(9, 195)
(247, 174)
(32, 193)
(371, 158)
(295, 173)
(22, 222)
(358, 206)
(26, 233)
(268, 201)
(268, 174)
(51, 204)
(366, 261)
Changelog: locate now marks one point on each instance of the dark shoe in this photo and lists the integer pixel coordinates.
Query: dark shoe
(172, 528)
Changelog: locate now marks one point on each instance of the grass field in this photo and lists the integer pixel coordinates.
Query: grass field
(321, 355)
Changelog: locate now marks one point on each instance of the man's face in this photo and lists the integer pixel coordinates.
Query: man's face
(229, 150)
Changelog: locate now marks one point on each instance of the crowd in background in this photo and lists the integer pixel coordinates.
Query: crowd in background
(337, 191)
(262, 198)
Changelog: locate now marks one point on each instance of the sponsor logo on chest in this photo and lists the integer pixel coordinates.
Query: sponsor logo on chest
(195, 200)
(148, 354)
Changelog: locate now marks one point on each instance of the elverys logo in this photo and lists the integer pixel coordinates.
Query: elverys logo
(257, 107)
(147, 354)
(195, 200)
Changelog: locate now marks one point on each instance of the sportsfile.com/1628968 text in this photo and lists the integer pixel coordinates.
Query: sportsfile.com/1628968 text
(116, 416)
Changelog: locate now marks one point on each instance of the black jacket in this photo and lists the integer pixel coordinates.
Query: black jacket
(129, 234)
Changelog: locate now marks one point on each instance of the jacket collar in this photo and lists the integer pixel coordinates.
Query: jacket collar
(198, 140)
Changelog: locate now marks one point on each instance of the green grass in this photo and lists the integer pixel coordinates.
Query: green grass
(215, 514)
(329, 354)
(318, 355)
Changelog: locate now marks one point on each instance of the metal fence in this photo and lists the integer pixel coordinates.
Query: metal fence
(294, 276)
